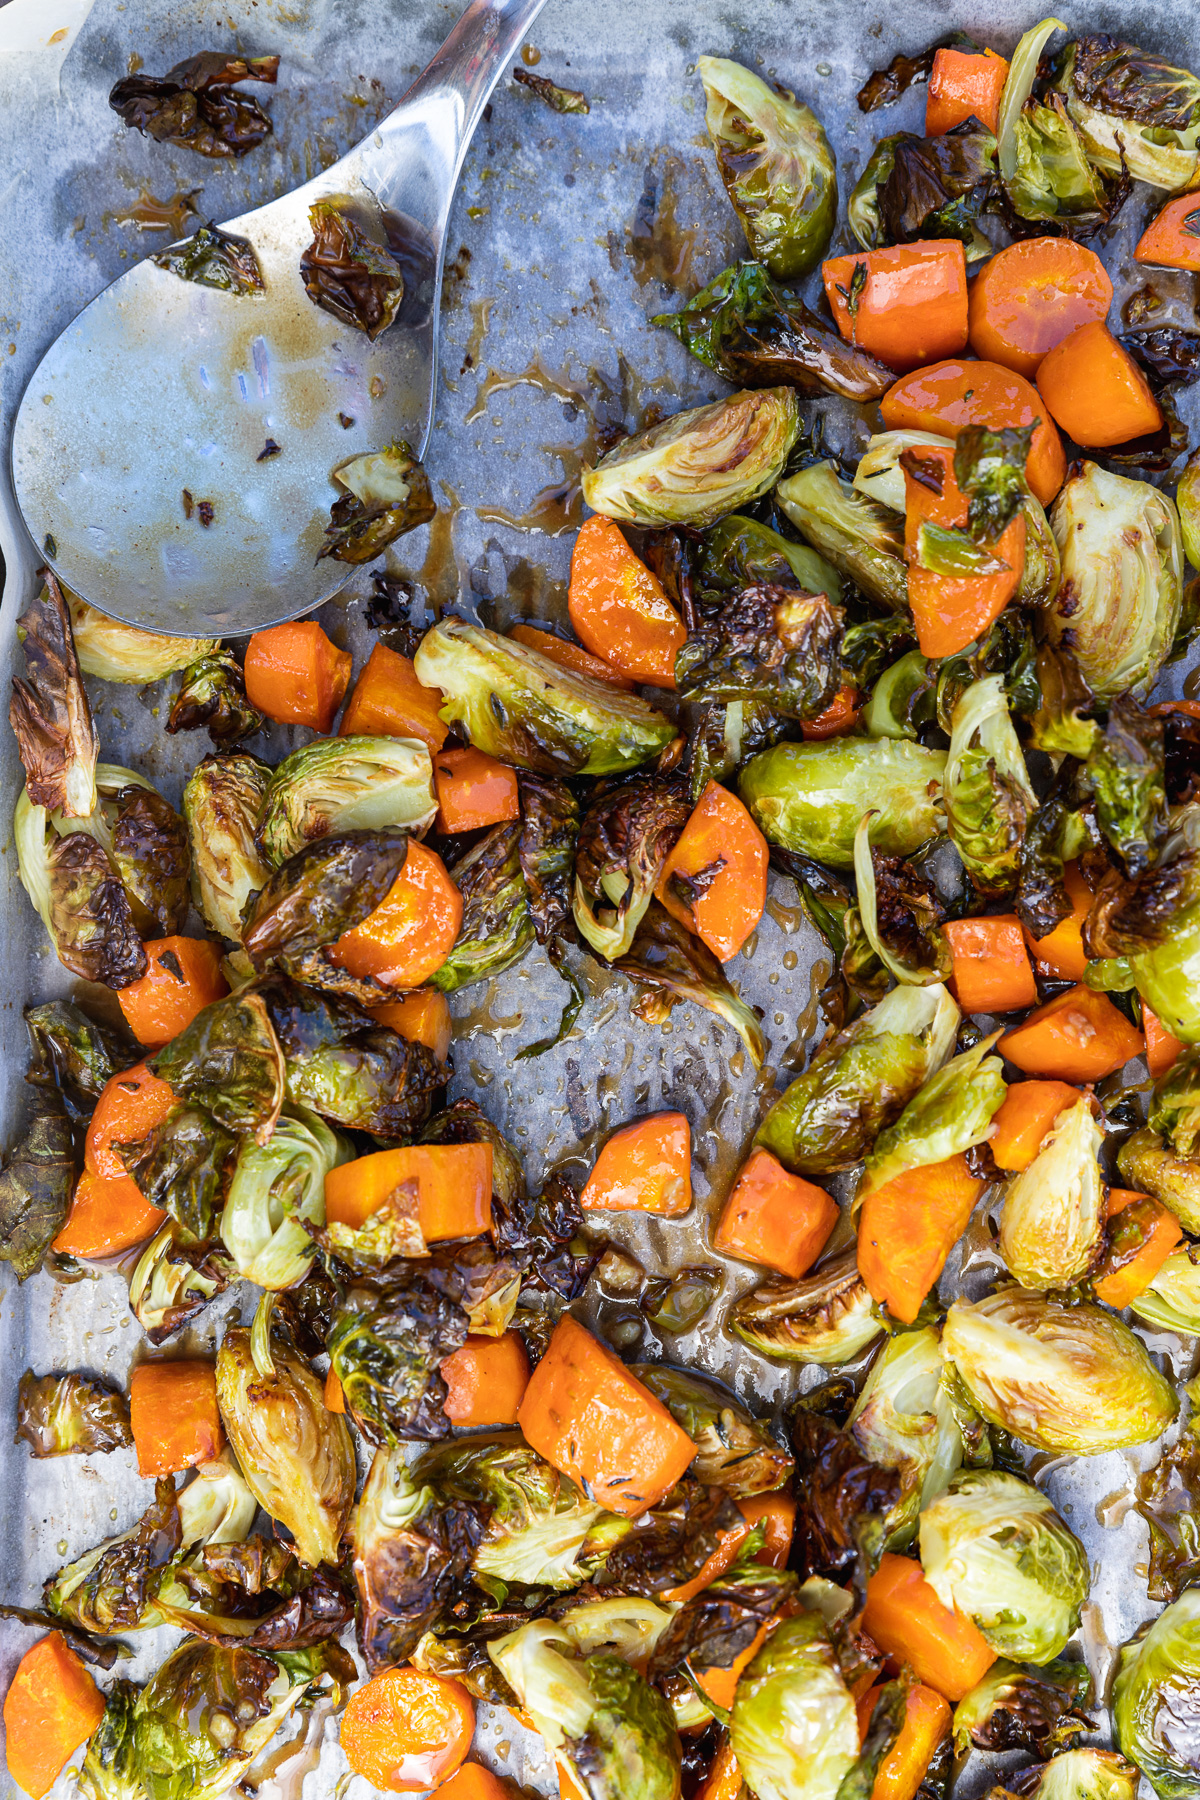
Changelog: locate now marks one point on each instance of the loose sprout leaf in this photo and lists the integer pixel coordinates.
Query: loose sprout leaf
(324, 889)
(74, 1053)
(70, 1415)
(111, 1587)
(348, 273)
(883, 87)
(387, 494)
(182, 1166)
(117, 652)
(1032, 1709)
(862, 539)
(1125, 771)
(196, 104)
(770, 644)
(212, 697)
(558, 99)
(497, 928)
(214, 258)
(625, 837)
(671, 1543)
(1053, 182)
(385, 1344)
(36, 1185)
(989, 467)
(988, 796)
(49, 710)
(900, 913)
(742, 552)
(151, 854)
(917, 188)
(1134, 109)
(949, 1114)
(230, 1061)
(735, 1451)
(666, 959)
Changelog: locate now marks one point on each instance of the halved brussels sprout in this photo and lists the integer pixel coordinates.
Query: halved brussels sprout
(1013, 1708)
(810, 798)
(1086, 1775)
(49, 710)
(826, 1317)
(117, 652)
(1175, 1104)
(274, 1187)
(698, 465)
(1154, 1698)
(1058, 1376)
(1052, 1224)
(222, 802)
(1136, 111)
(329, 886)
(987, 793)
(346, 784)
(950, 1113)
(767, 644)
(899, 914)
(1187, 501)
(1119, 604)
(776, 163)
(863, 539)
(793, 1727)
(1151, 1167)
(386, 1342)
(212, 695)
(216, 259)
(1172, 1300)
(904, 1420)
(518, 705)
(627, 833)
(993, 1547)
(496, 928)
(174, 1279)
(734, 1450)
(387, 493)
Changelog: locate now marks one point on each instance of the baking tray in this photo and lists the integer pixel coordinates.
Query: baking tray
(567, 234)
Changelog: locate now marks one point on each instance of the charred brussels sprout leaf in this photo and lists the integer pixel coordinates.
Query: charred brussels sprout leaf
(863, 539)
(387, 494)
(70, 1415)
(230, 1061)
(674, 966)
(1135, 111)
(216, 259)
(698, 465)
(1036, 1710)
(345, 784)
(275, 1189)
(626, 835)
(741, 552)
(49, 710)
(347, 272)
(1126, 773)
(735, 1451)
(989, 467)
(222, 800)
(1052, 1226)
(1175, 1106)
(385, 1344)
(111, 1587)
(182, 1166)
(903, 700)
(324, 889)
(1053, 179)
(810, 798)
(550, 823)
(558, 99)
(1154, 1698)
(519, 706)
(1168, 1499)
(918, 188)
(795, 1675)
(900, 914)
(769, 644)
(1155, 922)
(212, 697)
(827, 1317)
(151, 855)
(36, 1185)
(117, 652)
(988, 797)
(776, 164)
(196, 104)
(173, 1280)
(849, 1505)
(496, 928)
(73, 1053)
(110, 1767)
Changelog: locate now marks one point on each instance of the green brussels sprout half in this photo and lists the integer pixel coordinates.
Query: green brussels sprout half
(950, 1113)
(793, 1728)
(1127, 776)
(182, 1166)
(496, 928)
(810, 798)
(1171, 1302)
(740, 552)
(1052, 1224)
(70, 1415)
(117, 652)
(734, 1450)
(110, 1767)
(987, 793)
(1057, 1376)
(863, 539)
(174, 1279)
(627, 833)
(345, 784)
(212, 695)
(1157, 925)
(274, 1187)
(1136, 111)
(222, 802)
(777, 166)
(519, 706)
(925, 187)
(387, 494)
(1122, 579)
(698, 465)
(994, 1547)
(1187, 501)
(1154, 1699)
(1151, 1167)
(386, 1343)
(1014, 1708)
(826, 1317)
(49, 711)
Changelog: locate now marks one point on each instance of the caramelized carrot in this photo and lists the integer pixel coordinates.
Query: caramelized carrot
(721, 1684)
(1162, 1046)
(990, 964)
(423, 1017)
(52, 1704)
(618, 607)
(948, 395)
(454, 1183)
(951, 611)
(715, 879)
(964, 85)
(909, 1623)
(1172, 238)
(174, 1416)
(1029, 297)
(474, 789)
(473, 1782)
(183, 977)
(335, 1399)
(486, 1380)
(568, 656)
(839, 718)
(1080, 1035)
(1133, 1258)
(1095, 391)
(910, 302)
(295, 675)
(1062, 952)
(908, 1227)
(777, 1515)
(585, 1413)
(405, 1731)
(775, 1218)
(106, 1217)
(389, 701)
(724, 1779)
(412, 931)
(130, 1106)
(644, 1167)
(926, 1724)
(1026, 1114)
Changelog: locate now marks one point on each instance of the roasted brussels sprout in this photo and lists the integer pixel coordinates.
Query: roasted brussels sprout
(734, 1450)
(385, 1344)
(110, 1768)
(1152, 1167)
(1085, 1774)
(347, 270)
(150, 854)
(216, 259)
(324, 889)
(768, 644)
(1172, 1299)
(899, 914)
(1168, 1499)
(987, 794)
(950, 1113)
(1127, 776)
(1187, 501)
(519, 706)
(497, 928)
(387, 493)
(1136, 111)
(926, 187)
(1057, 1376)
(36, 1185)
(229, 1061)
(49, 710)
(117, 652)
(627, 833)
(670, 965)
(863, 539)
(182, 1166)
(1025, 1709)
(1052, 1225)
(345, 784)
(70, 1415)
(1122, 580)
(793, 1727)
(174, 1279)
(810, 798)
(212, 697)
(274, 1187)
(222, 800)
(1154, 1698)
(1154, 921)
(72, 1053)
(197, 103)
(826, 1317)
(741, 552)
(777, 166)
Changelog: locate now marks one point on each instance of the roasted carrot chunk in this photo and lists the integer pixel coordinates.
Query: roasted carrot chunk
(473, 1782)
(910, 302)
(1062, 952)
(644, 1167)
(1029, 297)
(1136, 1249)
(963, 86)
(908, 1227)
(618, 607)
(130, 1106)
(840, 717)
(1080, 1035)
(52, 1704)
(389, 701)
(454, 1183)
(1026, 1114)
(585, 1413)
(990, 964)
(715, 879)
(335, 1399)
(296, 675)
(184, 976)
(405, 1731)
(174, 1416)
(948, 395)
(1095, 391)
(474, 789)
(775, 1218)
(486, 1380)
(724, 1779)
(569, 656)
(951, 611)
(1162, 1046)
(422, 1016)
(412, 931)
(1172, 239)
(926, 1724)
(106, 1217)
(907, 1620)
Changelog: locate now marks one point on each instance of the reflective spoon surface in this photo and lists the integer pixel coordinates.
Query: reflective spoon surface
(162, 385)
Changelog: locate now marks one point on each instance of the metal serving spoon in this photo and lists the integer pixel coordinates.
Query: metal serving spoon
(162, 385)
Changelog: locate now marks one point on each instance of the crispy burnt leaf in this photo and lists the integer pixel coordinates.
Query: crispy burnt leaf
(545, 1238)
(36, 1185)
(256, 1594)
(497, 928)
(1125, 770)
(73, 1053)
(385, 1344)
(1181, 747)
(1053, 835)
(49, 710)
(989, 467)
(1168, 1498)
(109, 1587)
(326, 888)
(933, 187)
(212, 697)
(347, 273)
(183, 1166)
(734, 1450)
(673, 966)
(769, 644)
(550, 820)
(558, 99)
(88, 1649)
(95, 934)
(387, 493)
(901, 913)
(883, 87)
(625, 837)
(213, 258)
(712, 1630)
(196, 104)
(721, 736)
(174, 1279)
(70, 1415)
(842, 1499)
(151, 855)
(230, 1061)
(1031, 1709)
(670, 1543)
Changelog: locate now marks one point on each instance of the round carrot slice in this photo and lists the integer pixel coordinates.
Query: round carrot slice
(406, 1731)
(945, 396)
(131, 1104)
(1030, 296)
(412, 931)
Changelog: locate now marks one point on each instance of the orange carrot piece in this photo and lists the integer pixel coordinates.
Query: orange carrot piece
(720, 839)
(131, 1104)
(1080, 1035)
(106, 1217)
(775, 1512)
(474, 1782)
(774, 1217)
(964, 86)
(486, 1380)
(951, 611)
(335, 1398)
(1062, 952)
(51, 1706)
(585, 1413)
(1095, 391)
(948, 395)
(618, 607)
(174, 1416)
(405, 1731)
(990, 964)
(1172, 238)
(1162, 1046)
(569, 656)
(1026, 1114)
(184, 976)
(839, 718)
(913, 306)
(474, 789)
(926, 1724)
(454, 1182)
(644, 1167)
(412, 931)
(907, 1620)
(1127, 1270)
(1029, 297)
(724, 1779)
(422, 1016)
(389, 701)
(908, 1227)
(296, 675)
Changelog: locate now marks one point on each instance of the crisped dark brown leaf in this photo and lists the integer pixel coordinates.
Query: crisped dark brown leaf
(36, 1186)
(195, 103)
(347, 273)
(151, 853)
(49, 710)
